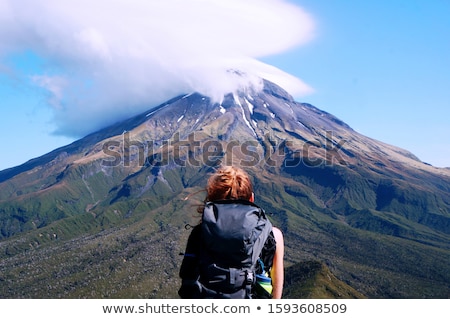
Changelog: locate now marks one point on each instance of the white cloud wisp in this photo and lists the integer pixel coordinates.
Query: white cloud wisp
(107, 60)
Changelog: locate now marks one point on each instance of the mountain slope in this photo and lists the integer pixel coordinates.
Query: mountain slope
(313, 280)
(378, 216)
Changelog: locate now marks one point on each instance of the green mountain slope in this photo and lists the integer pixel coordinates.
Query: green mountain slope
(105, 216)
(313, 280)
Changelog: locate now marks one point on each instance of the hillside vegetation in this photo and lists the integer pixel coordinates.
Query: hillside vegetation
(108, 216)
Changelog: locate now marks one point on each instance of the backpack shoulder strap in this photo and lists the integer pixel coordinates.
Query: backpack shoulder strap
(260, 242)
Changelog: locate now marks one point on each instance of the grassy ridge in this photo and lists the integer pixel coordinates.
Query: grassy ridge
(128, 247)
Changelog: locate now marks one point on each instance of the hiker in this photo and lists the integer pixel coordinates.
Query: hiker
(218, 248)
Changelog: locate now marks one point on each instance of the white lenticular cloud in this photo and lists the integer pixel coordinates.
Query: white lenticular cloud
(110, 59)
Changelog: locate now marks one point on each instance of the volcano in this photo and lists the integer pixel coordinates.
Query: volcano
(108, 215)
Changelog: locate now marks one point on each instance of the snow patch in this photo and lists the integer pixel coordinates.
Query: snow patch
(153, 112)
(290, 107)
(301, 124)
(236, 98)
(187, 95)
(250, 106)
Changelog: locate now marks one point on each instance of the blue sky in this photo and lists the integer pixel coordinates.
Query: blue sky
(383, 67)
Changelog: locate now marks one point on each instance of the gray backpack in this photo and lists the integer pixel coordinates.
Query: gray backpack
(233, 235)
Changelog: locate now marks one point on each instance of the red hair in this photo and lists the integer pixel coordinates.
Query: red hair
(229, 182)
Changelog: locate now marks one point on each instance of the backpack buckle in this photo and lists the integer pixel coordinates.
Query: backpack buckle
(249, 277)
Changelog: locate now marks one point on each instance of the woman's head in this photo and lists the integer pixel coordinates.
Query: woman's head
(229, 182)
